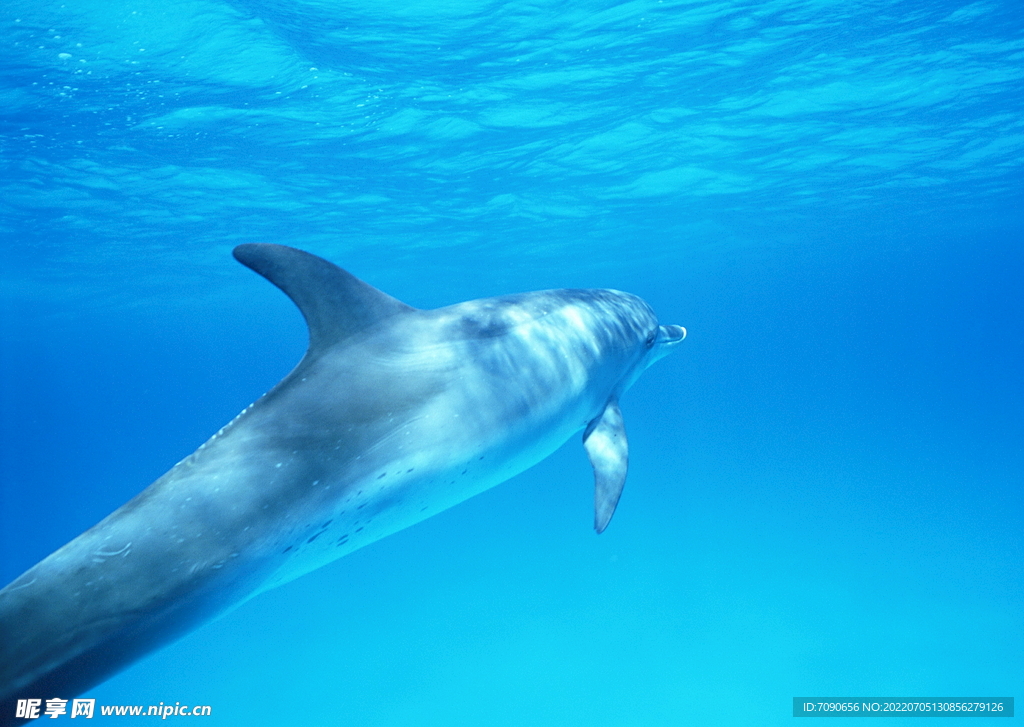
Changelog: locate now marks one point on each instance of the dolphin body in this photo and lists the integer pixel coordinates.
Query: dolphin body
(393, 414)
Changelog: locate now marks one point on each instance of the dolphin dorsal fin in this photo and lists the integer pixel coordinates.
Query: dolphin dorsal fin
(335, 303)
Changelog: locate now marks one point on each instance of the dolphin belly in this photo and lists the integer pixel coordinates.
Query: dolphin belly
(415, 483)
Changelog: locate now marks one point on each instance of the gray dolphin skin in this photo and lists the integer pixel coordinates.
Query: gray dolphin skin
(393, 415)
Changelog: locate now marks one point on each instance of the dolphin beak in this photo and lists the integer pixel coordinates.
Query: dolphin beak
(671, 335)
(668, 338)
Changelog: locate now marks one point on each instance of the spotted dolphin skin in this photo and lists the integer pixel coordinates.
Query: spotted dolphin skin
(393, 415)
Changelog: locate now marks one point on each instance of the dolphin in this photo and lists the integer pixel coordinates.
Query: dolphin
(393, 414)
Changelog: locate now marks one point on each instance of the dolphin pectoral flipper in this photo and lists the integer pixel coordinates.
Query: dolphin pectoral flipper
(608, 450)
(335, 303)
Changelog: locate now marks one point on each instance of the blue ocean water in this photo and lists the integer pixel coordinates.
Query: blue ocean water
(825, 478)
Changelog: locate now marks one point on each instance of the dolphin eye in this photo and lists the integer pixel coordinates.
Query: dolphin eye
(651, 338)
